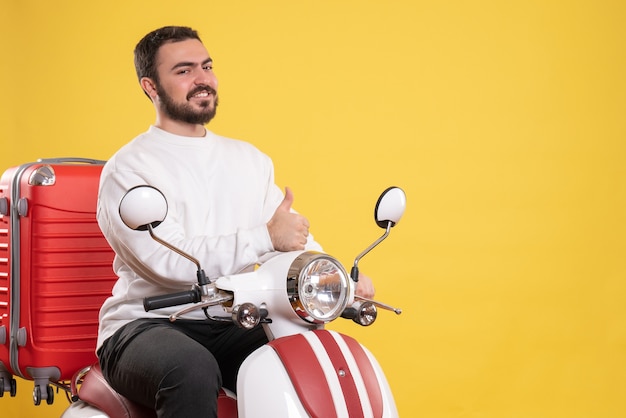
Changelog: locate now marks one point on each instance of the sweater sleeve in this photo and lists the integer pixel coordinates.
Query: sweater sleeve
(221, 194)
(152, 261)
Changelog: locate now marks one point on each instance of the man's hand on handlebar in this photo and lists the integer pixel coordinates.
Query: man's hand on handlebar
(365, 287)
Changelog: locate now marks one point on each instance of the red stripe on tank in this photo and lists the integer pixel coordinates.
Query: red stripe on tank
(306, 375)
(368, 373)
(346, 379)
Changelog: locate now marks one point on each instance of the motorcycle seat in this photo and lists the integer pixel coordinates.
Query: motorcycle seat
(96, 391)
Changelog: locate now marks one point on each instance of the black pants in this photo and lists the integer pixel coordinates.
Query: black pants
(177, 368)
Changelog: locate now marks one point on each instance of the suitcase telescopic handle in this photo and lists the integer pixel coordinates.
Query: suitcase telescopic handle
(172, 299)
(61, 160)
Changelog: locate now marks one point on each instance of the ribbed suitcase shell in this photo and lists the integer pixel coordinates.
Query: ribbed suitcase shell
(55, 271)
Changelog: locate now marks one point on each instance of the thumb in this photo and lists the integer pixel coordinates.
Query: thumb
(285, 205)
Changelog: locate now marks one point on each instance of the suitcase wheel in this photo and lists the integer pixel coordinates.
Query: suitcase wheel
(38, 395)
(12, 387)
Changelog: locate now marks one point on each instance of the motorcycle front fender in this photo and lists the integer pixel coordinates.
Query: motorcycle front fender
(315, 374)
(82, 409)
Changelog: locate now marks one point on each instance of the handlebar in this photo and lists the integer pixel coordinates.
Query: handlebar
(172, 299)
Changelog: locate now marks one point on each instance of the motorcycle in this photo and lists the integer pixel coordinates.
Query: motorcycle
(305, 370)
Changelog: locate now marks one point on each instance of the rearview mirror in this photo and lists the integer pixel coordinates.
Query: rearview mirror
(390, 207)
(143, 206)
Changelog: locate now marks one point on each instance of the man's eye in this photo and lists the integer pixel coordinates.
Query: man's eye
(208, 67)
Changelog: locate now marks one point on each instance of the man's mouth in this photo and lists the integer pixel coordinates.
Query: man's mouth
(201, 93)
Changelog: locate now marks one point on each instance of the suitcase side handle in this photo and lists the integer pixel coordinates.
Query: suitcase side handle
(61, 160)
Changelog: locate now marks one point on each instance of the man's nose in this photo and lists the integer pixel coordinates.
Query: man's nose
(206, 78)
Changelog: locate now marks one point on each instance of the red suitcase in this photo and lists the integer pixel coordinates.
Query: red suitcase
(55, 272)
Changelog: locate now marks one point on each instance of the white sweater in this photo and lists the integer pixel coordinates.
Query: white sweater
(220, 193)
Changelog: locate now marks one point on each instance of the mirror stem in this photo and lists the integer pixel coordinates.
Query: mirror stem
(354, 273)
(202, 278)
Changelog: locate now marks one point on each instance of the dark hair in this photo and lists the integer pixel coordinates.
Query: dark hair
(146, 50)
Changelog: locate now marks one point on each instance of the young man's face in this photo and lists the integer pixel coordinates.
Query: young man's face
(187, 86)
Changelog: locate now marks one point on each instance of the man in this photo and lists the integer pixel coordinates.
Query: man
(223, 208)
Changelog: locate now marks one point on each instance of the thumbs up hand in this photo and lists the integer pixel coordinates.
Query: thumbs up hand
(288, 231)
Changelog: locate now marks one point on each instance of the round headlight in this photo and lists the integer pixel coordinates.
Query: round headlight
(318, 287)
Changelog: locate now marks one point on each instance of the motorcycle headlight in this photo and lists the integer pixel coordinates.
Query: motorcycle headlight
(318, 287)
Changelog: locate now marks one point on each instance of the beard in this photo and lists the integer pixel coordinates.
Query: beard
(185, 112)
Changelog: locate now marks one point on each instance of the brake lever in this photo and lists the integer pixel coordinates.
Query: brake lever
(381, 305)
(212, 300)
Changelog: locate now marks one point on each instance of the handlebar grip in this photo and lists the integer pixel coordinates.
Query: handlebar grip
(171, 299)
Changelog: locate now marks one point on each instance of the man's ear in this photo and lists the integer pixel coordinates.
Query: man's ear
(149, 86)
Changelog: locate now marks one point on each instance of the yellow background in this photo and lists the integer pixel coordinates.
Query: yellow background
(503, 121)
